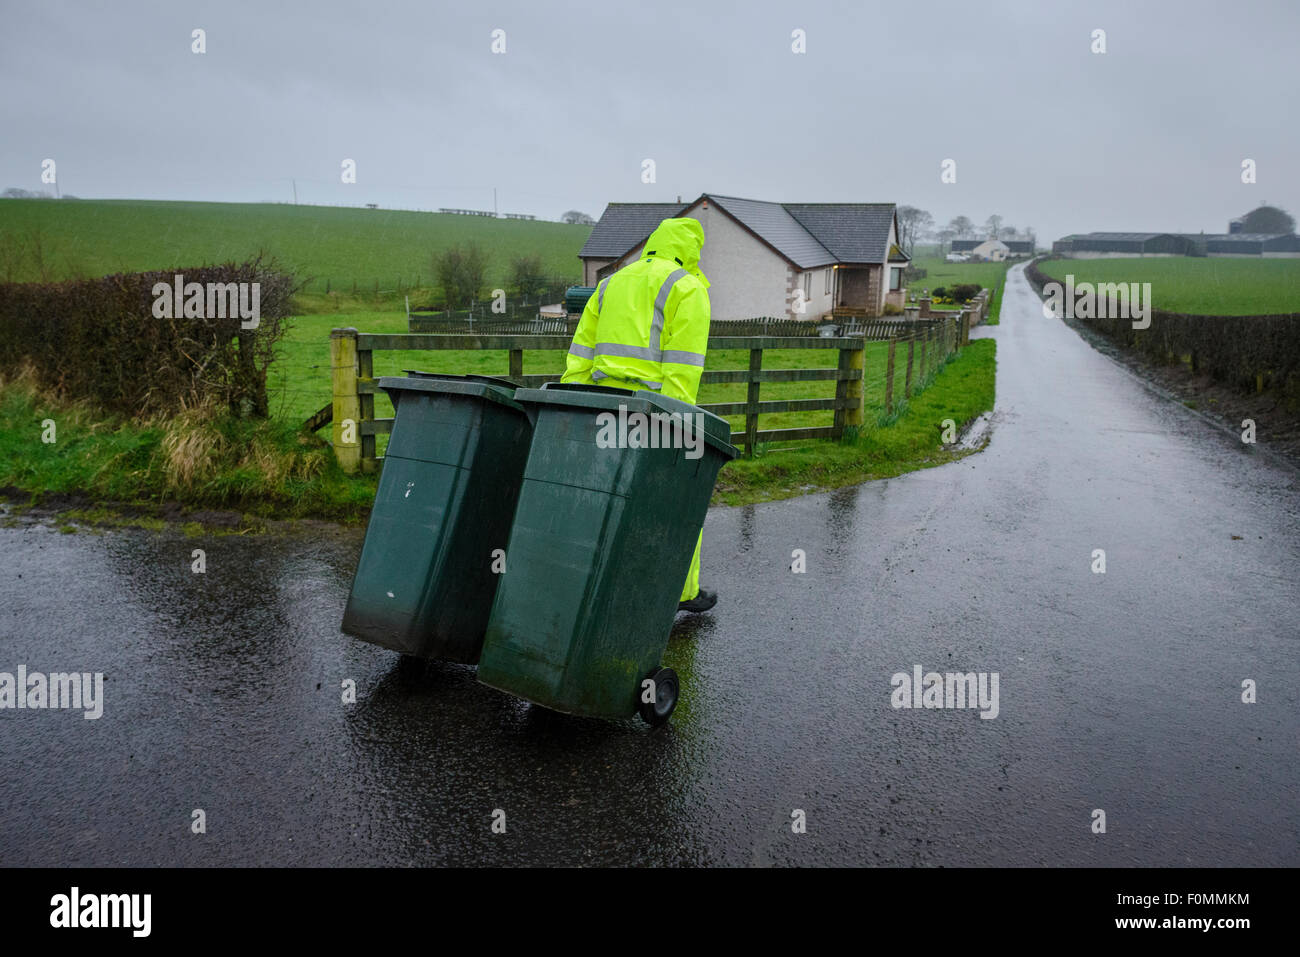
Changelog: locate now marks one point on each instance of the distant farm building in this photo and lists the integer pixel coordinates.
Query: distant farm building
(993, 250)
(1093, 245)
(1118, 245)
(1279, 245)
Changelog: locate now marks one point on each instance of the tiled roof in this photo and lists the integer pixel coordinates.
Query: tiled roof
(773, 223)
(807, 234)
(854, 232)
(624, 225)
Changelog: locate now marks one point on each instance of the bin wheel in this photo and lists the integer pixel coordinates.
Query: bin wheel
(666, 688)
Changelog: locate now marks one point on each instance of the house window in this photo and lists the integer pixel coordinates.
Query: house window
(807, 286)
(828, 282)
(895, 278)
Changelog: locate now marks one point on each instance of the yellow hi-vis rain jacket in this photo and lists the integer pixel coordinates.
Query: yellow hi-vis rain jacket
(647, 327)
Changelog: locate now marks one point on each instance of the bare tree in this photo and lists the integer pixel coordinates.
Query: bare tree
(461, 270)
(527, 276)
(574, 217)
(913, 224)
(962, 227)
(993, 227)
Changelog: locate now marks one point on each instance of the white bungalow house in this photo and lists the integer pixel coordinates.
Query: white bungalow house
(765, 259)
(993, 250)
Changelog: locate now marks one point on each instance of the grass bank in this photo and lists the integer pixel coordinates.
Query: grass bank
(67, 453)
(908, 440)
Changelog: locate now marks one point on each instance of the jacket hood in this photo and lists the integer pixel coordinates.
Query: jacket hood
(680, 239)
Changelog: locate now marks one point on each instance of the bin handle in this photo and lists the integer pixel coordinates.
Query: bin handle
(584, 387)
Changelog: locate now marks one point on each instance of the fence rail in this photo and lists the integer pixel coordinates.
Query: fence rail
(352, 408)
(873, 329)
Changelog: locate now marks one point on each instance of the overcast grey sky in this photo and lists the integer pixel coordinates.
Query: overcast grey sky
(1149, 135)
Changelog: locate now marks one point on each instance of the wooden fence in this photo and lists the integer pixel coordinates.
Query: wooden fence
(927, 342)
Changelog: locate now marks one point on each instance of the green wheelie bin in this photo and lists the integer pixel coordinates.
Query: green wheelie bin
(427, 574)
(603, 535)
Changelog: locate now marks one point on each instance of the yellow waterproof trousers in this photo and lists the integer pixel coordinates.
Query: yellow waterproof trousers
(692, 587)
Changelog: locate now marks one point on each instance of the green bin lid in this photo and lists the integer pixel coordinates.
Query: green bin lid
(479, 386)
(717, 431)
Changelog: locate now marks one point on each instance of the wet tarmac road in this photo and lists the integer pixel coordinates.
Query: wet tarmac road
(1119, 691)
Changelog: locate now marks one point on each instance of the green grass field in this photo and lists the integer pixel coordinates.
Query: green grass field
(371, 247)
(1211, 286)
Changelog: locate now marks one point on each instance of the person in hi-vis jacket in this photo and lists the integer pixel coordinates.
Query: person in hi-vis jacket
(647, 327)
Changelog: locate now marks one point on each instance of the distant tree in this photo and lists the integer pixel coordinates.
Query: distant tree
(1268, 219)
(460, 271)
(527, 276)
(13, 192)
(574, 217)
(945, 236)
(993, 227)
(913, 224)
(1007, 232)
(962, 227)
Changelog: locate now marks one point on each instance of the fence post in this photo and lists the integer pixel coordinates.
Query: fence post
(347, 407)
(925, 344)
(366, 403)
(907, 382)
(516, 363)
(856, 391)
(889, 377)
(252, 399)
(751, 402)
(848, 392)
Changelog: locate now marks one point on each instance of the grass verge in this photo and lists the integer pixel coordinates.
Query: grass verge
(909, 439)
(203, 459)
(995, 301)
